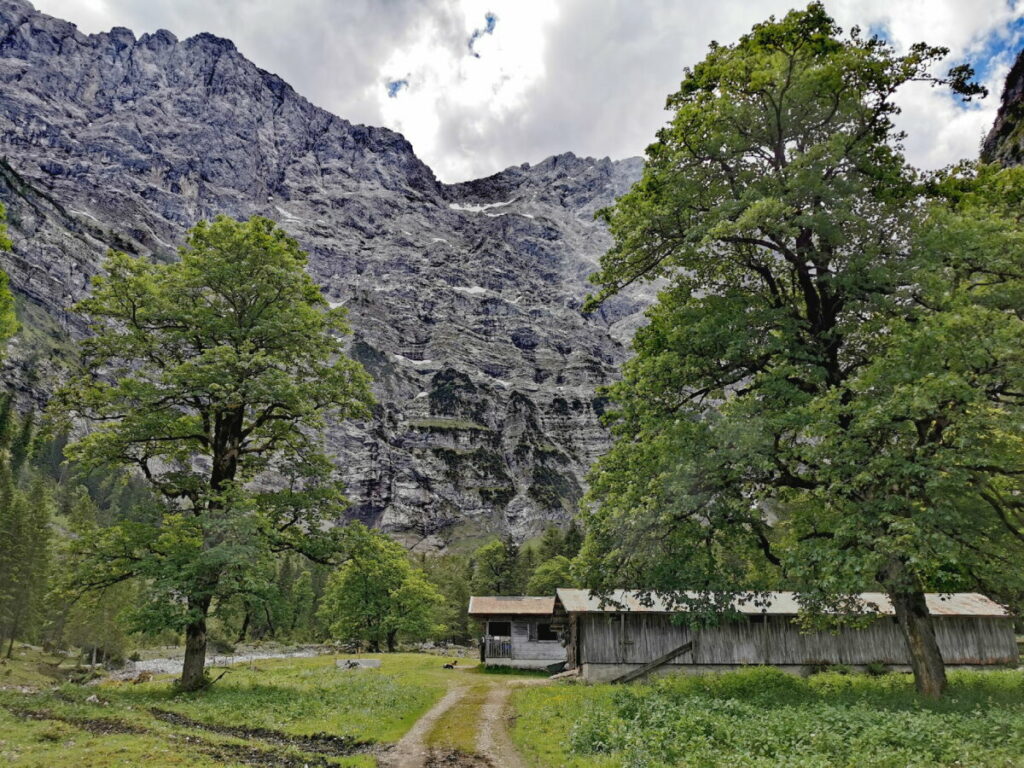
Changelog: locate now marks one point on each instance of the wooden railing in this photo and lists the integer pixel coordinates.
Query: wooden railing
(499, 648)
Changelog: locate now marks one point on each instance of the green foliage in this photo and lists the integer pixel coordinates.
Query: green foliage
(765, 717)
(553, 542)
(8, 320)
(826, 396)
(376, 597)
(550, 575)
(303, 606)
(204, 375)
(494, 569)
(25, 556)
(22, 443)
(450, 573)
(94, 625)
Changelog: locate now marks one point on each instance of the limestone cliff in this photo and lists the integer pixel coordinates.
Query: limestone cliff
(464, 298)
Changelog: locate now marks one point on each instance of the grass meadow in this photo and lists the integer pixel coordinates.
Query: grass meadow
(282, 712)
(761, 718)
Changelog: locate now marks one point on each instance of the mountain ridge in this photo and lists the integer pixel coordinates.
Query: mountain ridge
(464, 297)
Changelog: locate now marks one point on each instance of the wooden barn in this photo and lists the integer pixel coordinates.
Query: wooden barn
(623, 639)
(518, 631)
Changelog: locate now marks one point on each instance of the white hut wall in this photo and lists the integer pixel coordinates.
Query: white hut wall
(637, 638)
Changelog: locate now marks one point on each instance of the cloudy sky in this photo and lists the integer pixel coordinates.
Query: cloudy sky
(478, 85)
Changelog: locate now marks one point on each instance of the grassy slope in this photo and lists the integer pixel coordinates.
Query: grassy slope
(290, 697)
(763, 718)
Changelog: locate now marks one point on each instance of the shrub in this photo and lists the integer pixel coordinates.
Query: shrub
(876, 668)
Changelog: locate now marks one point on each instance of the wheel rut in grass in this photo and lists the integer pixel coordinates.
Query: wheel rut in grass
(318, 743)
(99, 726)
(238, 754)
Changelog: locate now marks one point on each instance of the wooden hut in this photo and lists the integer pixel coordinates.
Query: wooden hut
(621, 638)
(517, 631)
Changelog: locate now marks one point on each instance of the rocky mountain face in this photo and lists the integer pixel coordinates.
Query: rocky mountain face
(1005, 142)
(464, 298)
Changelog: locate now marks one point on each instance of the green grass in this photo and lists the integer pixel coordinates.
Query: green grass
(500, 669)
(33, 667)
(288, 699)
(457, 728)
(763, 717)
(303, 696)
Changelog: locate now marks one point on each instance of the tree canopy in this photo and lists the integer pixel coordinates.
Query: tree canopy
(213, 377)
(377, 596)
(802, 410)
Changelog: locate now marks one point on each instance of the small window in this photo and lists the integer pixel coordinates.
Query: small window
(499, 628)
(546, 632)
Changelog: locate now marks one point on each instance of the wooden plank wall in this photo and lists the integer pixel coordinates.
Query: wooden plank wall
(525, 648)
(612, 638)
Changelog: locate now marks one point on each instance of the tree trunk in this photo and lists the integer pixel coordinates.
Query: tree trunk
(15, 628)
(245, 627)
(392, 635)
(919, 633)
(193, 675)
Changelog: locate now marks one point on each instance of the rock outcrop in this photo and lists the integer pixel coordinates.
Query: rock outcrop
(464, 298)
(1005, 142)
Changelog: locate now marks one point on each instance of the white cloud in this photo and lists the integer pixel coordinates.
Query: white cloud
(493, 83)
(577, 75)
(940, 130)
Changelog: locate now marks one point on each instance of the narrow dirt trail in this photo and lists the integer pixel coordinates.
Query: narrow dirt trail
(411, 751)
(493, 740)
(494, 746)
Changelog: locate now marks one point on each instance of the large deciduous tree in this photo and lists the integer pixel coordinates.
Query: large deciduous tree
(377, 596)
(826, 395)
(213, 377)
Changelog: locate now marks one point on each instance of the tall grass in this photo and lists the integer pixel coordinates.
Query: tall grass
(764, 717)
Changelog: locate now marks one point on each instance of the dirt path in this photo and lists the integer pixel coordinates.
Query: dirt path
(494, 747)
(411, 751)
(493, 740)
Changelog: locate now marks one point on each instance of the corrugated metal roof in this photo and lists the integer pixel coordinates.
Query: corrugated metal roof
(515, 604)
(783, 603)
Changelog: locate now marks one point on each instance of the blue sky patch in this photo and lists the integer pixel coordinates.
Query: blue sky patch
(394, 86)
(490, 22)
(999, 45)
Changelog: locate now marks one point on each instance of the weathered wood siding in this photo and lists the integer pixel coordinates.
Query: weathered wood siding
(637, 638)
(523, 648)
